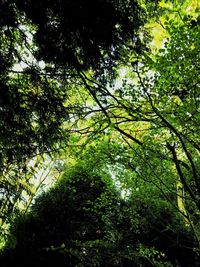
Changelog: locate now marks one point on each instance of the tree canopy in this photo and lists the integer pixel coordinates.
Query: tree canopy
(84, 221)
(52, 42)
(116, 83)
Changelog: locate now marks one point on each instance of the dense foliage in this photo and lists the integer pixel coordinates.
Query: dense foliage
(113, 88)
(83, 221)
(82, 33)
(44, 45)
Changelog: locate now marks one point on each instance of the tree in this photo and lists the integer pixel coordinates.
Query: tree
(43, 47)
(21, 185)
(68, 38)
(155, 111)
(148, 102)
(84, 221)
(69, 223)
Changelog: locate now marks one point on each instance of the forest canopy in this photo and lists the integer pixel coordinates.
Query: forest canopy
(109, 90)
